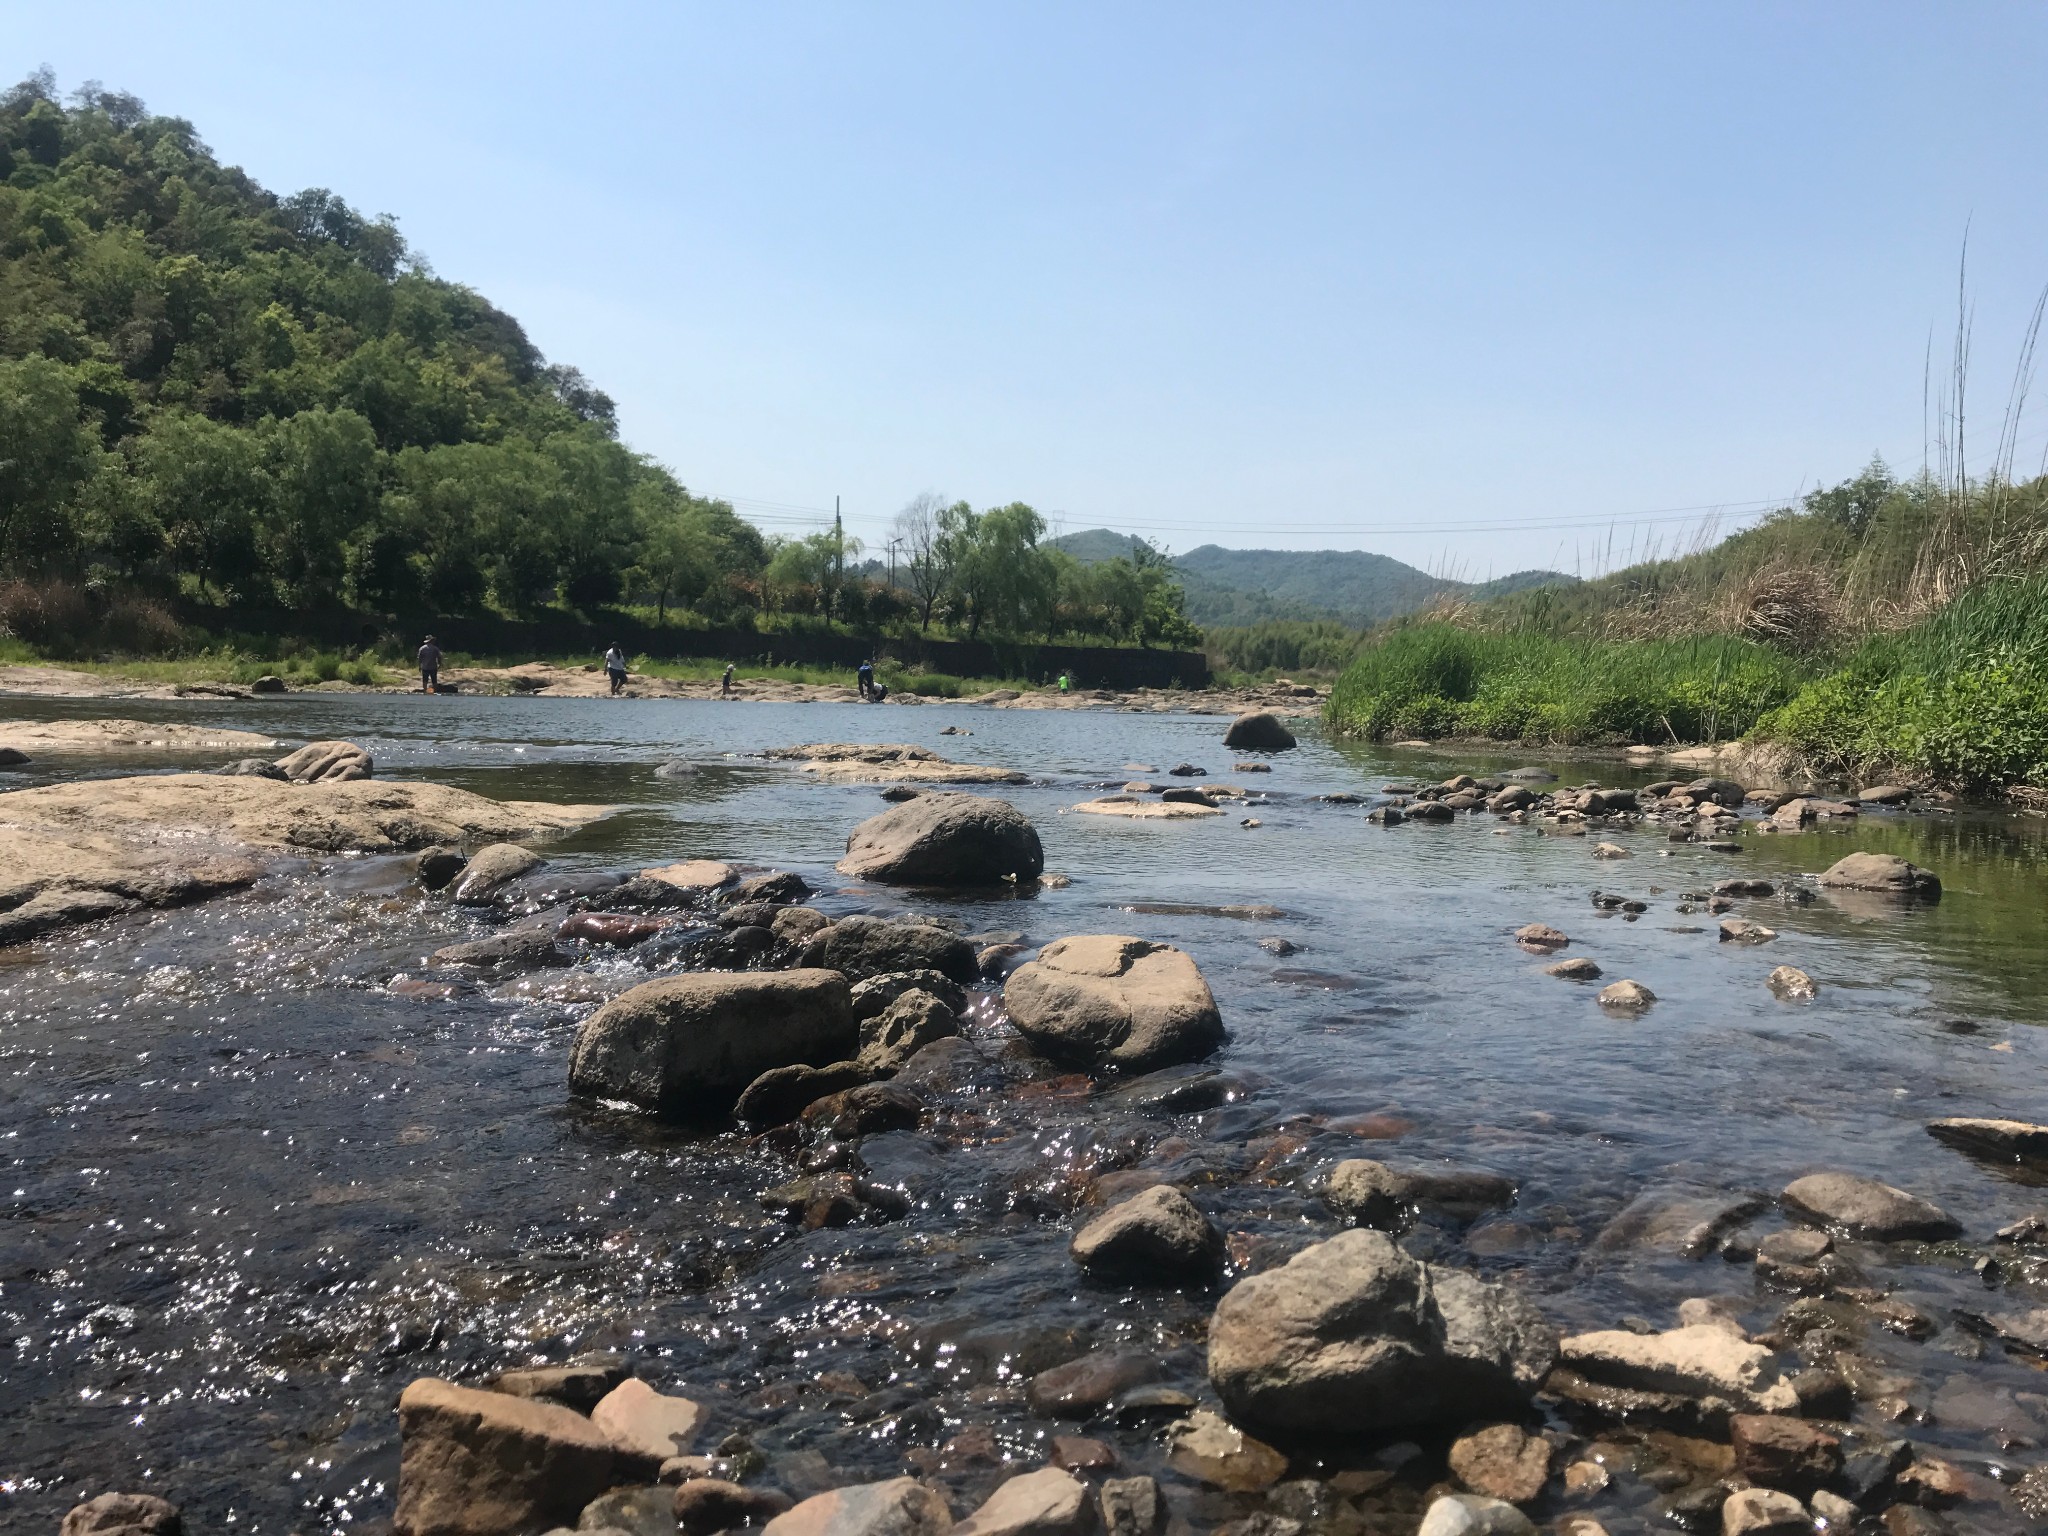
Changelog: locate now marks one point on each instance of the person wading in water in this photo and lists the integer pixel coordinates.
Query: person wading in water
(726, 691)
(430, 666)
(615, 669)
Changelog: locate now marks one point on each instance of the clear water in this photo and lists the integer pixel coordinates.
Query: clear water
(249, 1193)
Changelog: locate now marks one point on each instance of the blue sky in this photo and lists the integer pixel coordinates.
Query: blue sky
(1482, 287)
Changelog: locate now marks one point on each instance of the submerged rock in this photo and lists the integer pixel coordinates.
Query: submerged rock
(1109, 999)
(1465, 1514)
(1540, 938)
(945, 840)
(1374, 1195)
(1048, 1502)
(1355, 1333)
(1792, 984)
(482, 1463)
(1158, 1234)
(1210, 1448)
(695, 1042)
(1259, 731)
(781, 1094)
(1865, 1208)
(521, 949)
(1626, 996)
(1578, 968)
(1502, 1461)
(2004, 1141)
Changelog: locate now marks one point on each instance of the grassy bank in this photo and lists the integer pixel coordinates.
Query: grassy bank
(1440, 679)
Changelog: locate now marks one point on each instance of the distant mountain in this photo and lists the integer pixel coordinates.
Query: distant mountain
(1227, 587)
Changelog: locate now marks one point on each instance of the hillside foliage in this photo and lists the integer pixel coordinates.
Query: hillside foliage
(215, 395)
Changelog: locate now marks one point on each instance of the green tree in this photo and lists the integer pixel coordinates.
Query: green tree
(209, 491)
(47, 453)
(324, 476)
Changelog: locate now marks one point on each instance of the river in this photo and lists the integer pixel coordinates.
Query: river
(249, 1193)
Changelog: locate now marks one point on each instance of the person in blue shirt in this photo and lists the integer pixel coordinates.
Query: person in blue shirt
(864, 675)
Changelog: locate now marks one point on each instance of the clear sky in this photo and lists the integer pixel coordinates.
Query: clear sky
(1483, 286)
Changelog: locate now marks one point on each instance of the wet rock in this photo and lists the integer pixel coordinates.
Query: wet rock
(1740, 930)
(861, 948)
(1502, 1461)
(1112, 1000)
(1079, 1453)
(699, 877)
(901, 1506)
(1132, 1506)
(1997, 1141)
(1156, 1235)
(781, 1094)
(1626, 996)
(1178, 1090)
(1540, 938)
(676, 768)
(1578, 968)
(1832, 1510)
(1258, 731)
(696, 1042)
(617, 930)
(1699, 1362)
(1764, 1512)
(997, 960)
(1932, 1483)
(123, 1514)
(779, 887)
(1586, 1479)
(1048, 1502)
(1785, 1453)
(945, 840)
(1431, 810)
(1865, 1208)
(829, 1200)
(793, 925)
(1742, 888)
(1355, 1332)
(246, 768)
(875, 995)
(1681, 1219)
(581, 1384)
(1465, 1514)
(1610, 851)
(1374, 1195)
(1513, 798)
(1186, 795)
(270, 682)
(436, 868)
(1188, 771)
(869, 1110)
(1884, 794)
(521, 949)
(481, 1463)
(1885, 872)
(705, 1505)
(904, 1028)
(1208, 1447)
(1082, 1388)
(1713, 1311)
(642, 1511)
(1792, 984)
(645, 1423)
(327, 762)
(491, 870)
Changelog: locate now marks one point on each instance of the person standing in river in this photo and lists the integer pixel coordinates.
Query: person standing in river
(726, 691)
(864, 677)
(430, 666)
(615, 669)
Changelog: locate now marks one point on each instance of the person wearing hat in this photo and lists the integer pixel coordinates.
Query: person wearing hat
(430, 666)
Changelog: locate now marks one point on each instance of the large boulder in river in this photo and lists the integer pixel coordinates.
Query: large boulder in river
(1885, 872)
(476, 1463)
(1111, 1000)
(1259, 731)
(694, 1043)
(1353, 1335)
(863, 947)
(945, 839)
(327, 762)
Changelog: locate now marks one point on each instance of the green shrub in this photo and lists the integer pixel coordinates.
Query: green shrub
(325, 667)
(1440, 680)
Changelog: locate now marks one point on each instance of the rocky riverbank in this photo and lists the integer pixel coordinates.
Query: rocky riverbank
(1328, 1342)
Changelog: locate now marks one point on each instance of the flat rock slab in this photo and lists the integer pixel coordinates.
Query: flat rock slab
(1698, 1361)
(2005, 1141)
(1048, 1502)
(901, 1506)
(693, 874)
(1147, 810)
(643, 1422)
(852, 762)
(52, 738)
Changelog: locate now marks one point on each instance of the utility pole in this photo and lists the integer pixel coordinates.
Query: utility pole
(838, 553)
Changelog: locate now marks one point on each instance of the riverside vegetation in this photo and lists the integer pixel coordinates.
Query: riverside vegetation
(1882, 630)
(221, 401)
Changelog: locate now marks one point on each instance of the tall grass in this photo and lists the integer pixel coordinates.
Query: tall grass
(1440, 679)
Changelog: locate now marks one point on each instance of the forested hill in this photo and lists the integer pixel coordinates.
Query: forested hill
(209, 388)
(1249, 586)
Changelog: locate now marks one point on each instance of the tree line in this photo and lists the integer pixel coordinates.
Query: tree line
(211, 392)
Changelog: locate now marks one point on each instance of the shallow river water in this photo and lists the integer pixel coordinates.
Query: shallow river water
(247, 1192)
